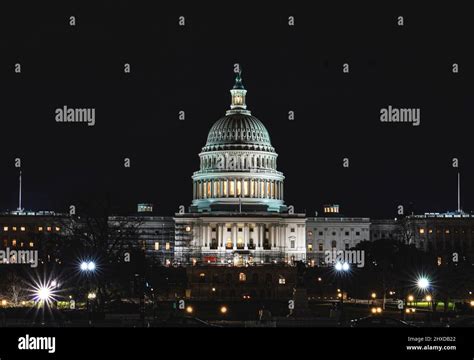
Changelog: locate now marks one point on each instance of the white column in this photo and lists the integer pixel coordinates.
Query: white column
(209, 235)
(234, 236)
(246, 236)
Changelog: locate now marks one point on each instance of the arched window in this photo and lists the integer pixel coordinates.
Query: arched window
(334, 244)
(242, 277)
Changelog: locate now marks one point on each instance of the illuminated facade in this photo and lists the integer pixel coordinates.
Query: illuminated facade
(238, 215)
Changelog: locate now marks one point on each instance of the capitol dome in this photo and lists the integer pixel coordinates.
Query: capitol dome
(238, 130)
(238, 164)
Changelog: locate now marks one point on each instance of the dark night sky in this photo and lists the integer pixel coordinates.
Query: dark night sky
(190, 69)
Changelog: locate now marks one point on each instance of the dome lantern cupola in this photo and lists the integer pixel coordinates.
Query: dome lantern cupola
(238, 93)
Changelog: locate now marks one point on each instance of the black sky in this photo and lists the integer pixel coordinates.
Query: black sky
(285, 68)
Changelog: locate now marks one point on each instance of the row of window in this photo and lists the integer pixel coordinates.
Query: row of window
(242, 277)
(15, 243)
(24, 228)
(167, 246)
(333, 245)
(333, 233)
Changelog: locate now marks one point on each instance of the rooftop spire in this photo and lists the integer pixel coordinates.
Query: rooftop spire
(238, 80)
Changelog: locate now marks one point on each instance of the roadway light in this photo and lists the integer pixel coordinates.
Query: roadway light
(345, 266)
(189, 309)
(88, 266)
(43, 293)
(411, 298)
(338, 266)
(373, 310)
(223, 310)
(428, 298)
(379, 310)
(373, 295)
(407, 310)
(423, 283)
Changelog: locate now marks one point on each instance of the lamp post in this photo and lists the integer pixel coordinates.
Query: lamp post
(88, 268)
(341, 270)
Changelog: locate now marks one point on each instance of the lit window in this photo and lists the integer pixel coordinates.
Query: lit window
(22, 228)
(5, 228)
(242, 277)
(48, 228)
(13, 242)
(229, 244)
(430, 231)
(31, 244)
(422, 231)
(310, 247)
(447, 231)
(167, 246)
(14, 228)
(188, 228)
(40, 228)
(157, 245)
(57, 228)
(282, 281)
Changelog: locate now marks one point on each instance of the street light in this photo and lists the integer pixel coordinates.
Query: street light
(223, 310)
(88, 266)
(411, 298)
(423, 283)
(189, 309)
(342, 268)
(373, 295)
(428, 298)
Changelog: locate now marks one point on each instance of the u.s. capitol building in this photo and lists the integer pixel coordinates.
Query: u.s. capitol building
(238, 215)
